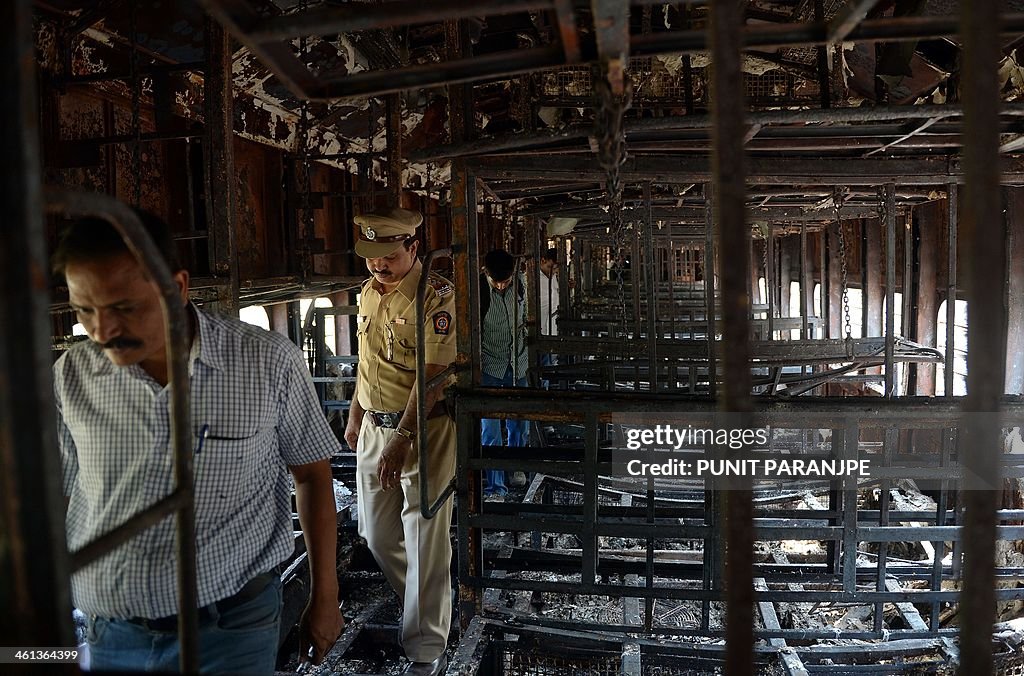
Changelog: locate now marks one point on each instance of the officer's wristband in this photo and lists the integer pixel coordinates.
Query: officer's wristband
(408, 434)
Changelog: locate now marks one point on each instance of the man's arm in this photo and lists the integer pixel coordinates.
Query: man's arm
(321, 622)
(392, 458)
(355, 417)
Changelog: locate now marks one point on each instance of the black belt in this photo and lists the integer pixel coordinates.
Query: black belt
(390, 419)
(248, 592)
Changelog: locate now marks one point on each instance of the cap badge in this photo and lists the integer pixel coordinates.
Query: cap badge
(371, 234)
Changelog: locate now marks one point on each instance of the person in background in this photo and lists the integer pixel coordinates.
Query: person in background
(257, 425)
(503, 343)
(415, 553)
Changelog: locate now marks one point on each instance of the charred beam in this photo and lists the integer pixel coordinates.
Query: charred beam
(843, 23)
(986, 285)
(34, 588)
(364, 16)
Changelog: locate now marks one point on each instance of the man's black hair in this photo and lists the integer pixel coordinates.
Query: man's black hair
(499, 264)
(550, 255)
(92, 238)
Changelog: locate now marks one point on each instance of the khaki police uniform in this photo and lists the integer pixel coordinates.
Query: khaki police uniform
(414, 553)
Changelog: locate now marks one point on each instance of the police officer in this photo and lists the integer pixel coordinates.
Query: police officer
(414, 553)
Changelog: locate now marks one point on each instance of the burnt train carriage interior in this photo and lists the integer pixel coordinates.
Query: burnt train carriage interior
(784, 210)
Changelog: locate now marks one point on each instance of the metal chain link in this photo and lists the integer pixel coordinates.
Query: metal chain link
(764, 263)
(838, 197)
(136, 78)
(611, 155)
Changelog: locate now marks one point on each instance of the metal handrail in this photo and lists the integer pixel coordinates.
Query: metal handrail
(427, 508)
(76, 203)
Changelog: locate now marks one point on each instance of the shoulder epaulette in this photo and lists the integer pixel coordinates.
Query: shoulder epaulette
(441, 285)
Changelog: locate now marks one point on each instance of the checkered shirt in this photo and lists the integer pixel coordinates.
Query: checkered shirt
(252, 389)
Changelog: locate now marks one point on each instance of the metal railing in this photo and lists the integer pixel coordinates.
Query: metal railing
(428, 508)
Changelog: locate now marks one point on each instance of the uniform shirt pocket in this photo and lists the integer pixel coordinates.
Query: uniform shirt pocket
(404, 345)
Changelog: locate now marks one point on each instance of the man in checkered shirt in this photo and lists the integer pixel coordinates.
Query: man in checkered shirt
(255, 419)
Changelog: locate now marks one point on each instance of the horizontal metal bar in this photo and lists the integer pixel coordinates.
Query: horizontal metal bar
(816, 33)
(665, 592)
(364, 16)
(484, 67)
(150, 516)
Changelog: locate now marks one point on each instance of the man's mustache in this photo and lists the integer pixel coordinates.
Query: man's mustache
(383, 273)
(120, 343)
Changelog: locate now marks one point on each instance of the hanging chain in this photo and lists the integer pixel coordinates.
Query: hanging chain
(838, 196)
(136, 78)
(427, 207)
(611, 155)
(764, 263)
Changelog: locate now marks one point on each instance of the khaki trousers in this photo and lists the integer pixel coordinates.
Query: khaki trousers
(414, 553)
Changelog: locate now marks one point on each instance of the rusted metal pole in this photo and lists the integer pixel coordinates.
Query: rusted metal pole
(394, 135)
(218, 149)
(730, 198)
(467, 320)
(986, 283)
(951, 248)
(34, 590)
(890, 287)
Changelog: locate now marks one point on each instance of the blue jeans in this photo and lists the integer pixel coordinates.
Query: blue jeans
(490, 433)
(240, 641)
(547, 359)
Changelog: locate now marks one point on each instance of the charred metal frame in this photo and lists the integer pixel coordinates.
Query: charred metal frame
(752, 586)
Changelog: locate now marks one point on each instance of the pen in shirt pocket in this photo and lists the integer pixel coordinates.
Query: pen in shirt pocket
(204, 432)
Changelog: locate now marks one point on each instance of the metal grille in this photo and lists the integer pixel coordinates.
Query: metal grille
(1008, 665)
(669, 669)
(776, 86)
(655, 80)
(564, 82)
(518, 660)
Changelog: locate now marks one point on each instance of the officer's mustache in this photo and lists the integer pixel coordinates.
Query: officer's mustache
(383, 273)
(121, 343)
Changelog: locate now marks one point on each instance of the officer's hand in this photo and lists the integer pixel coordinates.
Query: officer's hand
(319, 628)
(352, 431)
(392, 460)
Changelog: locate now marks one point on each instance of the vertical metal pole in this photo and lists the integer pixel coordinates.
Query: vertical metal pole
(729, 175)
(1014, 290)
(394, 145)
(769, 281)
(804, 289)
(951, 238)
(710, 200)
(533, 293)
(826, 290)
(590, 487)
(34, 589)
(218, 105)
(908, 297)
(467, 322)
(651, 290)
(824, 81)
(890, 287)
(985, 231)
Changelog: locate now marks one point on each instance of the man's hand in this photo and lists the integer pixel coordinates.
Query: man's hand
(355, 422)
(319, 628)
(392, 460)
